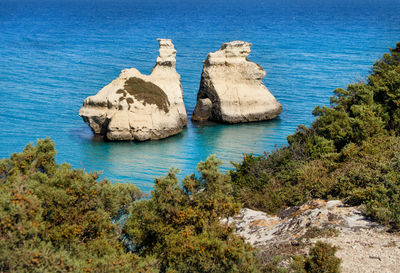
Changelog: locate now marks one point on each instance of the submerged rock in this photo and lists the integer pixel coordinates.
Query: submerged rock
(140, 107)
(231, 88)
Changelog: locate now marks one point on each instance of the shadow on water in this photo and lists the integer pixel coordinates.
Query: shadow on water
(140, 162)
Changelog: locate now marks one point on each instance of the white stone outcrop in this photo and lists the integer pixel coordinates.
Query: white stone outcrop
(140, 107)
(231, 88)
(263, 230)
(362, 244)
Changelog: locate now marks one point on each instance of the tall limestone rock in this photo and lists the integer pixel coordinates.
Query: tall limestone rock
(140, 107)
(231, 88)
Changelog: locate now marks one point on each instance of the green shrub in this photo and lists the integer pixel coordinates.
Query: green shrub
(351, 151)
(181, 225)
(57, 219)
(322, 259)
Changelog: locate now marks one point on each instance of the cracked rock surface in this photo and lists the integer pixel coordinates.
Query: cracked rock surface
(362, 244)
(261, 229)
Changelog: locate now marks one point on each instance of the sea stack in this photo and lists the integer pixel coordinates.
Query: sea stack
(231, 88)
(140, 107)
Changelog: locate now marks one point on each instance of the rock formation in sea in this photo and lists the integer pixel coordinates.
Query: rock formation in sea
(231, 88)
(140, 107)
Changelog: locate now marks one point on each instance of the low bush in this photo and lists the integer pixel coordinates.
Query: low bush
(322, 259)
(57, 219)
(181, 225)
(350, 152)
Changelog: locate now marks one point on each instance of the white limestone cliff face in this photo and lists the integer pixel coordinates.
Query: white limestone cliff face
(140, 107)
(231, 88)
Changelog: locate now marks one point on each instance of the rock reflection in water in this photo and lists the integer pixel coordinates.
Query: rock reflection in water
(141, 162)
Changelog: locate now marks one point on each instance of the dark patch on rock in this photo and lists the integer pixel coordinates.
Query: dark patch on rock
(288, 212)
(121, 91)
(146, 92)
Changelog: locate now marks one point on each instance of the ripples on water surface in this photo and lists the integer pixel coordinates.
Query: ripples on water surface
(53, 54)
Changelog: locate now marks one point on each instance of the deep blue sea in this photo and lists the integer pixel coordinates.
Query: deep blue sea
(53, 54)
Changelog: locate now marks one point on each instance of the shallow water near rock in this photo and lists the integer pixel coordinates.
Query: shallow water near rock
(56, 53)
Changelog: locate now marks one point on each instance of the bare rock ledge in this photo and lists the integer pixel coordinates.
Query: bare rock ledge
(363, 245)
(140, 107)
(231, 88)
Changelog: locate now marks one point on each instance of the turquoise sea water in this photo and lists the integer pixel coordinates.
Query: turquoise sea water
(53, 54)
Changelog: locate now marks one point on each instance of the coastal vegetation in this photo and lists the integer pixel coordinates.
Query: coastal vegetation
(350, 152)
(321, 259)
(57, 219)
(180, 226)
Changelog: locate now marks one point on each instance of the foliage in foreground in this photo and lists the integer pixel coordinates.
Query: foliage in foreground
(321, 259)
(57, 219)
(180, 226)
(351, 152)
